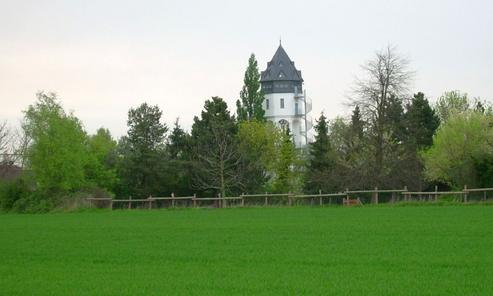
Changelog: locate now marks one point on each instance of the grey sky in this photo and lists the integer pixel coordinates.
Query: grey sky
(103, 57)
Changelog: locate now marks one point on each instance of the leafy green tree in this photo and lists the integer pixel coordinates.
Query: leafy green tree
(353, 154)
(320, 171)
(287, 172)
(101, 166)
(143, 160)
(216, 159)
(457, 146)
(252, 98)
(451, 102)
(58, 152)
(257, 146)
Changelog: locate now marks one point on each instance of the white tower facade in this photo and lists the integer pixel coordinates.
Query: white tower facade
(286, 103)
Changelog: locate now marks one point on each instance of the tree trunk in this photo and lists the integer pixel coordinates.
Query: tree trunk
(223, 186)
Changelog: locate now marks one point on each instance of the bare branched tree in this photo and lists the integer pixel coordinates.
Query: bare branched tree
(5, 139)
(21, 143)
(13, 146)
(219, 164)
(385, 77)
(7, 161)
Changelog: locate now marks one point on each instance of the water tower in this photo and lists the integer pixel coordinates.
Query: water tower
(286, 103)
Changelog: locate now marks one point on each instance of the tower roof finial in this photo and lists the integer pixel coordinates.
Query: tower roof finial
(280, 40)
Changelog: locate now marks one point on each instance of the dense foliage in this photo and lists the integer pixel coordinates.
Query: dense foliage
(390, 140)
(462, 151)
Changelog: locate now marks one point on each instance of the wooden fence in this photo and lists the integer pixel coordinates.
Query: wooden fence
(348, 197)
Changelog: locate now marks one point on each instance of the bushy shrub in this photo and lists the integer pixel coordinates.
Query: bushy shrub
(32, 203)
(12, 191)
(21, 196)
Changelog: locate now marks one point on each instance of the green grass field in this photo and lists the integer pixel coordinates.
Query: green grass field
(295, 251)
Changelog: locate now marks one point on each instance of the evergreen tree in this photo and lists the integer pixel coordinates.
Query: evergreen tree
(322, 160)
(215, 155)
(421, 122)
(178, 148)
(252, 98)
(394, 120)
(178, 142)
(357, 123)
(143, 162)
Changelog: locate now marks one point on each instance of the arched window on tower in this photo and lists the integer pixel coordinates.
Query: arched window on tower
(284, 124)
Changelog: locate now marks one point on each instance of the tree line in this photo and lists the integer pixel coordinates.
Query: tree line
(391, 140)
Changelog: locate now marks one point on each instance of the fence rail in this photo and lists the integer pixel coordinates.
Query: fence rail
(348, 197)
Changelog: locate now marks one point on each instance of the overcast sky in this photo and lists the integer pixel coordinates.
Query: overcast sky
(103, 57)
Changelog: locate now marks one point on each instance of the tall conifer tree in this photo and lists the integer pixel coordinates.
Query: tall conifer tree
(249, 106)
(322, 160)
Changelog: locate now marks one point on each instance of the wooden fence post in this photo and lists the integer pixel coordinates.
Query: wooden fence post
(436, 195)
(130, 203)
(194, 200)
(376, 195)
(150, 202)
(222, 202)
(266, 199)
(242, 200)
(321, 201)
(465, 193)
(172, 199)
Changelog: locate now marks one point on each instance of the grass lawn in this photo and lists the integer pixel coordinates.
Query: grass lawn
(297, 251)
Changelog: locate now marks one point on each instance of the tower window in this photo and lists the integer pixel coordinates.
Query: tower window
(284, 124)
(282, 103)
(267, 104)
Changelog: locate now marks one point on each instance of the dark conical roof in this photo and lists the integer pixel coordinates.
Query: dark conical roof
(281, 68)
